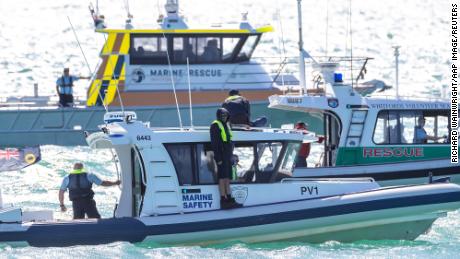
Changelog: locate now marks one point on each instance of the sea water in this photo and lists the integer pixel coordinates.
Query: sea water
(36, 42)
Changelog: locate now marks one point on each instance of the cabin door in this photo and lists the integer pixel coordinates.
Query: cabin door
(332, 136)
(138, 185)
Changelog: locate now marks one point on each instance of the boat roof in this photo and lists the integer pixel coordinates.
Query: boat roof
(120, 133)
(409, 103)
(301, 102)
(262, 29)
(239, 134)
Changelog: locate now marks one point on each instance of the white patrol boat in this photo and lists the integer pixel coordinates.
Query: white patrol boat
(170, 196)
(378, 137)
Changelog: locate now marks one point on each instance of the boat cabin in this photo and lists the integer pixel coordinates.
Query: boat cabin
(372, 130)
(143, 66)
(173, 170)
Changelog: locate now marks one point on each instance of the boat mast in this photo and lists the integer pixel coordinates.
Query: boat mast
(303, 84)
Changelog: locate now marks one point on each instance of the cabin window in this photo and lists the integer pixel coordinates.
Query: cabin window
(148, 50)
(154, 49)
(209, 50)
(183, 48)
(245, 171)
(206, 165)
(268, 154)
(411, 127)
(441, 123)
(228, 47)
(194, 163)
(181, 156)
(288, 162)
(248, 48)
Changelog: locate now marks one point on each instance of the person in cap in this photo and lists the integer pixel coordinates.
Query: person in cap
(80, 183)
(64, 87)
(238, 107)
(240, 110)
(222, 146)
(420, 134)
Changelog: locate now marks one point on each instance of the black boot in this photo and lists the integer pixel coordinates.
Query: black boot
(224, 203)
(232, 200)
(233, 203)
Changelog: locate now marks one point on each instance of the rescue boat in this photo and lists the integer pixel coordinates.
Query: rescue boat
(155, 72)
(169, 195)
(373, 136)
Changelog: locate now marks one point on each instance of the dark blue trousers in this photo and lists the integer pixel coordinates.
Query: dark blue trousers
(85, 206)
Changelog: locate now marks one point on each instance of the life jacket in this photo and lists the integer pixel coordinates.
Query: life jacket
(79, 186)
(66, 88)
(223, 133)
(238, 107)
(233, 97)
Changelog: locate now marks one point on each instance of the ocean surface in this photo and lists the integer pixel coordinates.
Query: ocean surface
(36, 42)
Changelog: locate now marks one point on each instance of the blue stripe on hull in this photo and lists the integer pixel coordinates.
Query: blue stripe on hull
(132, 230)
(392, 175)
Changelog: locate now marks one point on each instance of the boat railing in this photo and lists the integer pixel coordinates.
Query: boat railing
(284, 71)
(31, 102)
(412, 98)
(237, 128)
(354, 179)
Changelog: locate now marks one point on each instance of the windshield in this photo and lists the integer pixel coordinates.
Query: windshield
(264, 162)
(153, 49)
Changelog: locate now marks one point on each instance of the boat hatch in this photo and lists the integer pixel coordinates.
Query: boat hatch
(256, 162)
(153, 49)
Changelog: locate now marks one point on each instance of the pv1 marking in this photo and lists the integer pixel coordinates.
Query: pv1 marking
(309, 190)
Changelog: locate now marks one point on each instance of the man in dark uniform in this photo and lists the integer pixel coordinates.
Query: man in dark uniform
(80, 183)
(222, 146)
(238, 107)
(240, 111)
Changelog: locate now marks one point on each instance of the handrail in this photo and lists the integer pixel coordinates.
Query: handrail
(354, 179)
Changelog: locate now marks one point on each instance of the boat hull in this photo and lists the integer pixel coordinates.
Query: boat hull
(389, 213)
(389, 174)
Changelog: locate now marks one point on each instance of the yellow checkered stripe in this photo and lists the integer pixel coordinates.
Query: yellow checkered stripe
(111, 72)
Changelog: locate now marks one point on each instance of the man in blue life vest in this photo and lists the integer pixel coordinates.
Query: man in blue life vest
(64, 87)
(79, 182)
(240, 110)
(222, 146)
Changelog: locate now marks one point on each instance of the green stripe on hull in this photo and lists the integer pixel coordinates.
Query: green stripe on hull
(390, 154)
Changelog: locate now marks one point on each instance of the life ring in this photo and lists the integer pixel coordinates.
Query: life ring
(30, 158)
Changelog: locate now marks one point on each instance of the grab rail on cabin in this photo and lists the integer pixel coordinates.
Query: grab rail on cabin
(301, 179)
